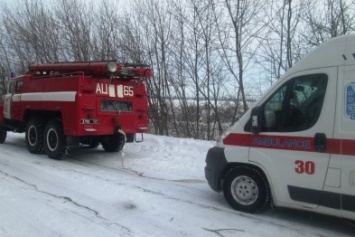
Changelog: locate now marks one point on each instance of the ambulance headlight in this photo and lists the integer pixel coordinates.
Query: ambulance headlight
(112, 67)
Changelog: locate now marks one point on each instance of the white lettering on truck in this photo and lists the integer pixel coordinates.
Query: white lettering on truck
(119, 91)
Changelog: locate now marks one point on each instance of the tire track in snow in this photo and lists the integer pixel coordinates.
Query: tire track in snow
(97, 215)
(264, 218)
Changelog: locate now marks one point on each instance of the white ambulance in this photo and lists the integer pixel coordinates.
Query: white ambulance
(296, 146)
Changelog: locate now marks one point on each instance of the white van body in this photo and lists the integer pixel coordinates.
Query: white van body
(296, 146)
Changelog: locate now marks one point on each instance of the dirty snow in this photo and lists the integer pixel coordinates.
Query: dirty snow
(157, 189)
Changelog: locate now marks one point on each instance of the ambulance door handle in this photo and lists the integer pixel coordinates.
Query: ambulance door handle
(320, 142)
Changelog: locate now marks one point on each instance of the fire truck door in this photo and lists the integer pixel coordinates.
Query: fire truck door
(16, 101)
(297, 121)
(8, 100)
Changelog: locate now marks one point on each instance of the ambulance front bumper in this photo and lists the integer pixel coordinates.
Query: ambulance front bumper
(215, 165)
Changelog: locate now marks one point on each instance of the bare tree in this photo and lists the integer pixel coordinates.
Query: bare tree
(280, 50)
(155, 25)
(188, 117)
(207, 56)
(192, 64)
(236, 37)
(336, 18)
(76, 20)
(32, 32)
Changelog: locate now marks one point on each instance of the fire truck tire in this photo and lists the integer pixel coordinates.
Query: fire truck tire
(34, 135)
(3, 133)
(246, 189)
(130, 137)
(113, 143)
(54, 140)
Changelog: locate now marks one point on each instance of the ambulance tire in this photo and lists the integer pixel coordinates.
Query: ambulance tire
(246, 189)
(54, 140)
(113, 143)
(3, 133)
(34, 136)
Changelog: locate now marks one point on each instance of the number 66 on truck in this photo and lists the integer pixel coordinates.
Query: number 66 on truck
(295, 147)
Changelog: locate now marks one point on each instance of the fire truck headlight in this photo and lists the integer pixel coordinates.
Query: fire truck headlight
(112, 67)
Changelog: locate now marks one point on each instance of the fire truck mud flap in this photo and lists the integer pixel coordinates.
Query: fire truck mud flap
(215, 165)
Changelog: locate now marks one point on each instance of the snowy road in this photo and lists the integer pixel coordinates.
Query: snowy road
(157, 189)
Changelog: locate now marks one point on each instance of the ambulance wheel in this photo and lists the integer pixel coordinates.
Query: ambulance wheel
(54, 140)
(3, 133)
(34, 136)
(246, 189)
(113, 143)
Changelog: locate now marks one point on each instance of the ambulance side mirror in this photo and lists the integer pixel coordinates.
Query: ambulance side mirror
(255, 119)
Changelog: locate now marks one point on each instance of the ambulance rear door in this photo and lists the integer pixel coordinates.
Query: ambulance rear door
(340, 182)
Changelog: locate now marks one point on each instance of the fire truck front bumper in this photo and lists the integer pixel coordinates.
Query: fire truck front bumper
(215, 165)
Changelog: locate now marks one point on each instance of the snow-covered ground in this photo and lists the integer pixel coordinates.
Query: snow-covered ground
(157, 189)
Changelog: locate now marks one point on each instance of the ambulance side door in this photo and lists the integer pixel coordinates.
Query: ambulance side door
(340, 182)
(297, 120)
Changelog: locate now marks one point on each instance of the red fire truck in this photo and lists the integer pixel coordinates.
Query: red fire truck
(76, 103)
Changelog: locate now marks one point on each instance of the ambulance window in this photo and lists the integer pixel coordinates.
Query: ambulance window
(272, 110)
(296, 106)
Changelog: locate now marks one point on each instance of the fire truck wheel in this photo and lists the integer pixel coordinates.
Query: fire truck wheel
(3, 133)
(54, 143)
(246, 189)
(130, 137)
(113, 143)
(34, 136)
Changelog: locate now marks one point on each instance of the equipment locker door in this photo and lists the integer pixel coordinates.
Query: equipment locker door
(297, 120)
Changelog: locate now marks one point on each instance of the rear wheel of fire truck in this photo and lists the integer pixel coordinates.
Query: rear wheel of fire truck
(113, 143)
(246, 189)
(130, 137)
(3, 133)
(34, 135)
(54, 140)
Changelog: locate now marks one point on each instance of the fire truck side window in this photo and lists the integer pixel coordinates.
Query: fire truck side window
(10, 87)
(18, 87)
(296, 106)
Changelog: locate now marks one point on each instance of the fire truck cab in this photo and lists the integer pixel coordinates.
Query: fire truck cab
(79, 103)
(295, 147)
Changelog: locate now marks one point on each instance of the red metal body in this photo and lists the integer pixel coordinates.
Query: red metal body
(89, 98)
